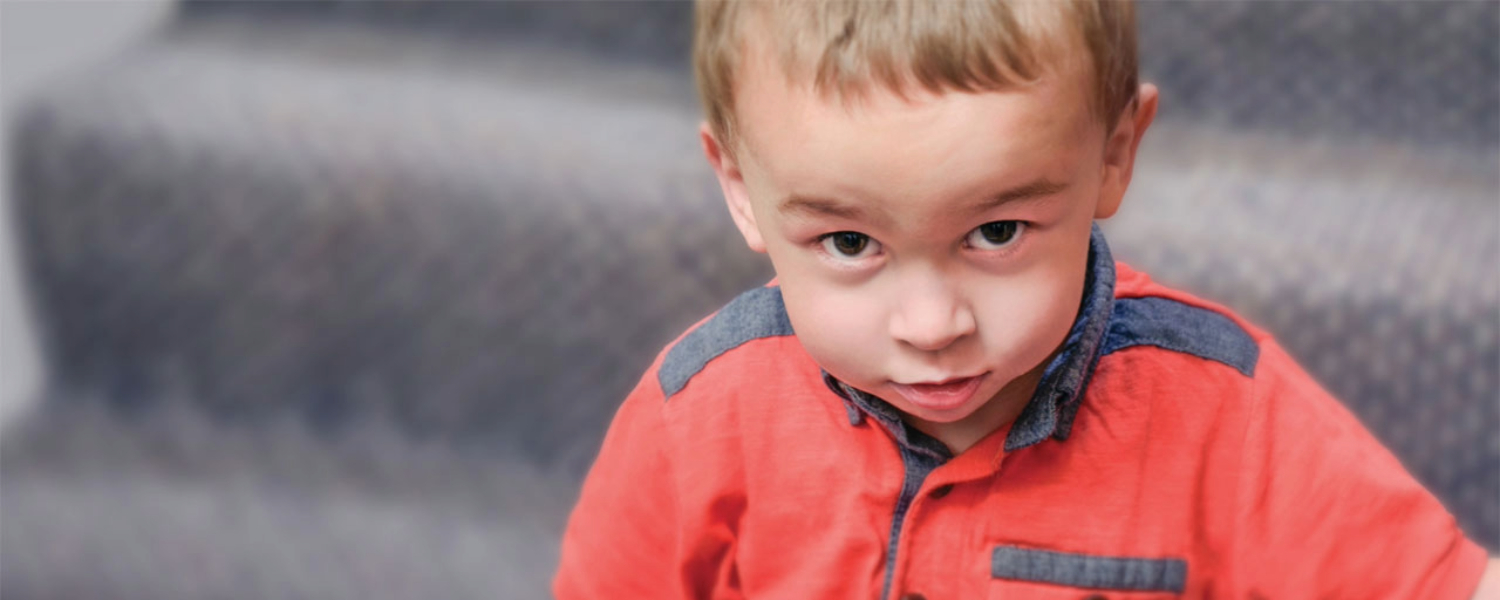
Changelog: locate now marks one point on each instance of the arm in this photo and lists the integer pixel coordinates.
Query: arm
(1325, 511)
(621, 540)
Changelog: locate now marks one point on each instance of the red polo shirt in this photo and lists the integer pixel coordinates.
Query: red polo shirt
(1171, 451)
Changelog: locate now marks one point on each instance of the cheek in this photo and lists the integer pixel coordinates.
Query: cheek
(840, 328)
(1030, 315)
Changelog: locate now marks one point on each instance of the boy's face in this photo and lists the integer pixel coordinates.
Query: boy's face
(930, 251)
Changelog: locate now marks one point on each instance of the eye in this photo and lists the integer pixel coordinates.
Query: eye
(849, 244)
(995, 235)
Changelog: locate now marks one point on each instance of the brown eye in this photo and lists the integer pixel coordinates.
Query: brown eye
(995, 234)
(847, 244)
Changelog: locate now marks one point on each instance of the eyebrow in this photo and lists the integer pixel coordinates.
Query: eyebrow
(834, 208)
(1034, 189)
(820, 206)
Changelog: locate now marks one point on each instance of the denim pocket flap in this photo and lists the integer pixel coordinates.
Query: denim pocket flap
(1088, 571)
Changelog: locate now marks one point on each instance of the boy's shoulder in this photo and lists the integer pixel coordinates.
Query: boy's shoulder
(1201, 362)
(1172, 322)
(1161, 341)
(1177, 326)
(738, 332)
(740, 372)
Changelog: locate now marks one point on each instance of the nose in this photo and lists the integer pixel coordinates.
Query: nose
(931, 316)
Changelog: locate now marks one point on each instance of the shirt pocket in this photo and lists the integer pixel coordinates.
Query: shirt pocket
(1031, 574)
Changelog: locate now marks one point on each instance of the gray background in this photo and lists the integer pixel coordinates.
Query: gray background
(39, 40)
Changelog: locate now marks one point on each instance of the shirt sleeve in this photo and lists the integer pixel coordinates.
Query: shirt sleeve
(1324, 510)
(631, 535)
(619, 542)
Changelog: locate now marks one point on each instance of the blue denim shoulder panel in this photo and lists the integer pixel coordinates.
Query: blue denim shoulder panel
(755, 314)
(1169, 324)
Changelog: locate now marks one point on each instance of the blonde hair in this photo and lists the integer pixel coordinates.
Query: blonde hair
(842, 47)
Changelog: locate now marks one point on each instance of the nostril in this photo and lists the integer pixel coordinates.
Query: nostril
(930, 343)
(931, 338)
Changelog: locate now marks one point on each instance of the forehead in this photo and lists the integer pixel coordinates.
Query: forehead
(888, 142)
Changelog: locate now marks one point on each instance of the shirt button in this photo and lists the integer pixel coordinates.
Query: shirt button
(942, 490)
(913, 596)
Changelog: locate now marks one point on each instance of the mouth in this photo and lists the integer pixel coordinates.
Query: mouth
(940, 395)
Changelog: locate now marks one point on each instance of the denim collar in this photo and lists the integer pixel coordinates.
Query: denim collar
(1052, 408)
(859, 404)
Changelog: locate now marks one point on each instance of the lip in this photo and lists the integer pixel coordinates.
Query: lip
(943, 395)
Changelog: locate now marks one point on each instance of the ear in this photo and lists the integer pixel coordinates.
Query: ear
(732, 182)
(1120, 149)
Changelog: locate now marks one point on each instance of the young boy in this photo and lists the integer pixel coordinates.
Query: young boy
(952, 390)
